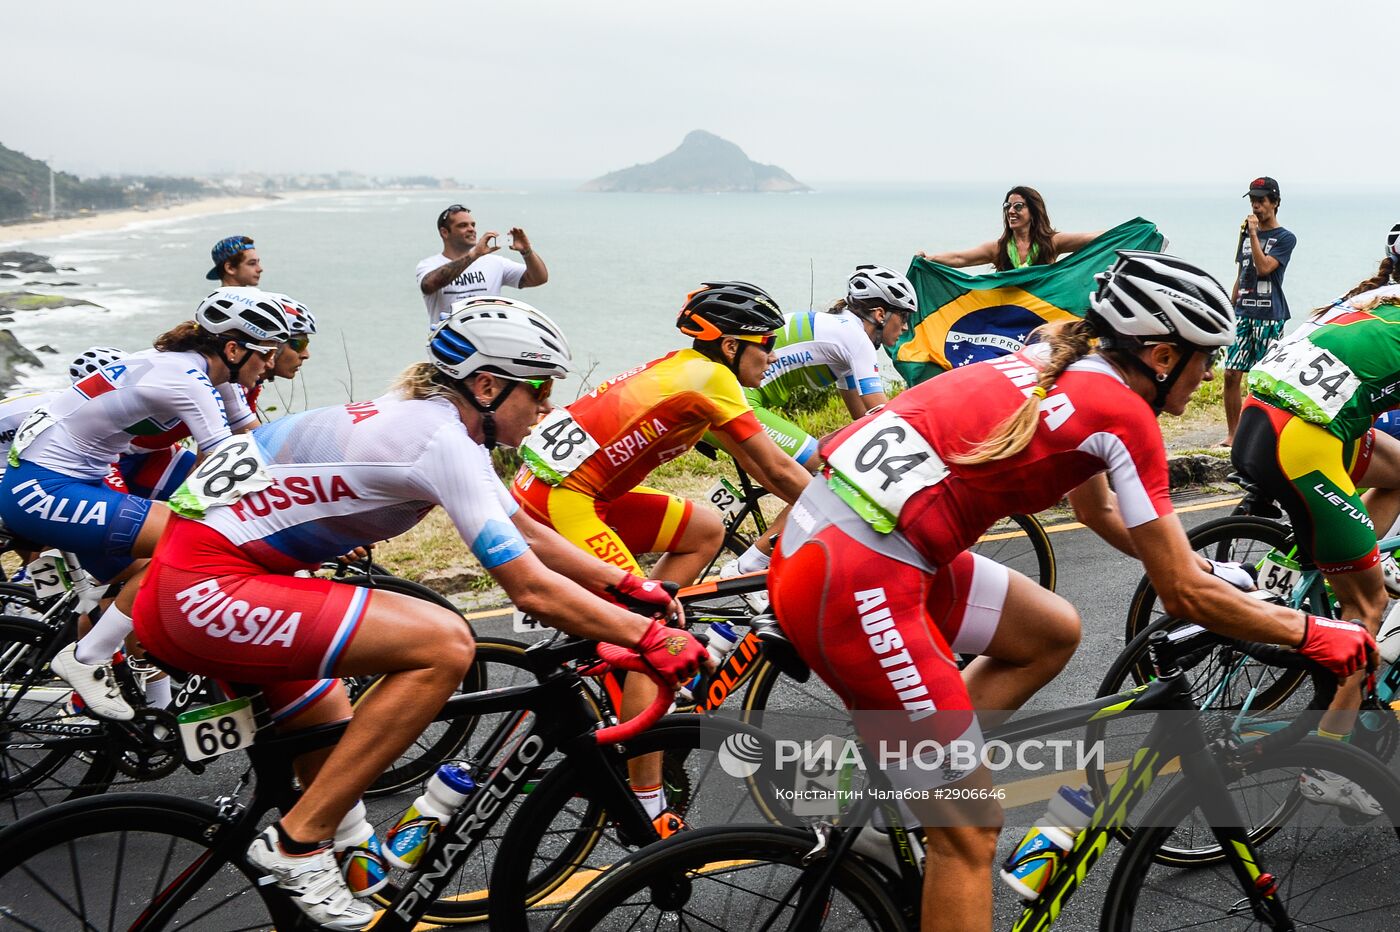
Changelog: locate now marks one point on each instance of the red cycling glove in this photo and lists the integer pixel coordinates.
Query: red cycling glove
(671, 652)
(1343, 647)
(645, 596)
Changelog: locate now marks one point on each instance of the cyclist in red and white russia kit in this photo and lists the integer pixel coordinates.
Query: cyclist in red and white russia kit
(55, 490)
(875, 586)
(221, 599)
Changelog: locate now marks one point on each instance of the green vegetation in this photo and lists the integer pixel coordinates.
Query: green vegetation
(24, 189)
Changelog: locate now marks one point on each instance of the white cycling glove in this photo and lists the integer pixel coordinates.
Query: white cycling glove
(1234, 574)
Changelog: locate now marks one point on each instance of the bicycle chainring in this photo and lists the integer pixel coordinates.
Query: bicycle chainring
(158, 754)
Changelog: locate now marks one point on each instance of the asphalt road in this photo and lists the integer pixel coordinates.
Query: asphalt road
(1095, 578)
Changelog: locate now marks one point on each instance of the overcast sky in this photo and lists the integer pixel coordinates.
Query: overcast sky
(867, 91)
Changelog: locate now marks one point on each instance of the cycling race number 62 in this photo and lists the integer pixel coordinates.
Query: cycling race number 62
(887, 461)
(557, 446)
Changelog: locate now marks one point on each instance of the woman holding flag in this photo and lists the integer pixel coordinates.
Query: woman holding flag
(1027, 237)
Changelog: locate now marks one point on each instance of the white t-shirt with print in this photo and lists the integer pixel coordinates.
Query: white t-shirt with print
(486, 276)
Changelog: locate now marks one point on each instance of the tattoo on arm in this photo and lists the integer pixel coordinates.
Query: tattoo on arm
(440, 277)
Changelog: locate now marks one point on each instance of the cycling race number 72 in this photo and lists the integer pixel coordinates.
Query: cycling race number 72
(231, 472)
(557, 446)
(886, 462)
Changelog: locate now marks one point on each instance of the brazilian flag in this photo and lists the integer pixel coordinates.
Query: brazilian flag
(966, 318)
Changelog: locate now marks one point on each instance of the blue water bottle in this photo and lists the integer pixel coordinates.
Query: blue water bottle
(445, 793)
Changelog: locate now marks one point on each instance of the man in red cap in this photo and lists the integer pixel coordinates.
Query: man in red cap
(1261, 310)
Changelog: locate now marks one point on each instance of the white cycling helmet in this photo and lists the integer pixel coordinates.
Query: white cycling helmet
(300, 320)
(92, 359)
(501, 336)
(1392, 244)
(1155, 298)
(877, 285)
(248, 315)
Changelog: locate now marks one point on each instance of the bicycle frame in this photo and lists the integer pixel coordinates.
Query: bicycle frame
(568, 726)
(1164, 742)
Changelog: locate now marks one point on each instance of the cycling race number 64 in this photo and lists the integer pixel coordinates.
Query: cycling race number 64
(887, 461)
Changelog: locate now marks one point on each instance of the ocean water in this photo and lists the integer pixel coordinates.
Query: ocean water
(620, 264)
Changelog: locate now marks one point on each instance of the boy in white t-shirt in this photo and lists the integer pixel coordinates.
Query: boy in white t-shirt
(468, 268)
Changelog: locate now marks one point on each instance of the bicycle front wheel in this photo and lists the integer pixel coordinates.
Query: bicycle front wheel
(1336, 868)
(102, 863)
(733, 878)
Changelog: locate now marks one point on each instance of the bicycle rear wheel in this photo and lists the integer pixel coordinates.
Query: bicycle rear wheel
(1021, 543)
(1332, 872)
(733, 878)
(101, 863)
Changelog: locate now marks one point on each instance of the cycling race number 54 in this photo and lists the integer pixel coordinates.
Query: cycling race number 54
(881, 466)
(557, 446)
(1325, 382)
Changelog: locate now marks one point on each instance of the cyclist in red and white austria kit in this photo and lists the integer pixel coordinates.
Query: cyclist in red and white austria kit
(221, 599)
(55, 491)
(874, 583)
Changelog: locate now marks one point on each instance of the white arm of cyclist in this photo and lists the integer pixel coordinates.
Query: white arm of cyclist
(768, 464)
(1096, 507)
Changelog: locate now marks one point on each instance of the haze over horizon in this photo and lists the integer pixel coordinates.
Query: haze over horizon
(1081, 92)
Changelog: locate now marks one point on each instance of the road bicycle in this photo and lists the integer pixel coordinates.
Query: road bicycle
(1285, 864)
(144, 861)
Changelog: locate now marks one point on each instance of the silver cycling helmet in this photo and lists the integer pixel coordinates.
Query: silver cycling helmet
(501, 336)
(92, 359)
(248, 315)
(1155, 298)
(300, 320)
(876, 286)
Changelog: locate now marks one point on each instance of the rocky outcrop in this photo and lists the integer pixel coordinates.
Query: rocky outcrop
(703, 164)
(31, 262)
(13, 354)
(33, 301)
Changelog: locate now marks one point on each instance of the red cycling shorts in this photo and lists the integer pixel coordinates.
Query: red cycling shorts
(206, 608)
(883, 634)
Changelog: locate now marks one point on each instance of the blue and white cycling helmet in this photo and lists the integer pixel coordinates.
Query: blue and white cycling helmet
(92, 359)
(501, 336)
(300, 320)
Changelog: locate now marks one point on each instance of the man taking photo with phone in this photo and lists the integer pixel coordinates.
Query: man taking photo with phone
(467, 267)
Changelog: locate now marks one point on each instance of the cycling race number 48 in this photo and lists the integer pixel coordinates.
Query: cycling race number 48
(884, 464)
(557, 446)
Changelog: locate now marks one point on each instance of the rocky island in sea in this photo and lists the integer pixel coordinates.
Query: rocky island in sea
(702, 164)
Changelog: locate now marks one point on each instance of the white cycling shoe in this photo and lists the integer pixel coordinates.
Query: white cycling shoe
(94, 683)
(757, 601)
(1330, 789)
(314, 882)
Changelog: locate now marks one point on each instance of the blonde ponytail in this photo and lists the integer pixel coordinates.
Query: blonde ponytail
(1070, 341)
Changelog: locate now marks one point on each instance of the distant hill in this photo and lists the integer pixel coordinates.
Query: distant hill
(24, 189)
(704, 163)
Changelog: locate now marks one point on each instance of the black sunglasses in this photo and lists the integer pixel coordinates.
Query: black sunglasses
(442, 217)
(1011, 208)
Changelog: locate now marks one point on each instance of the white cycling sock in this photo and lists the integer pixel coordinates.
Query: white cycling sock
(158, 692)
(105, 638)
(652, 798)
(753, 560)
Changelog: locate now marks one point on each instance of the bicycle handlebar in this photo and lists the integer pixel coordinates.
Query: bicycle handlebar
(624, 658)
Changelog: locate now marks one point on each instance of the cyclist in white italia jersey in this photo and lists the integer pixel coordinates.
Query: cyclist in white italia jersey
(221, 598)
(55, 490)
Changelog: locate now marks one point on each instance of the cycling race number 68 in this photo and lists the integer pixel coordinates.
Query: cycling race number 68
(888, 461)
(231, 472)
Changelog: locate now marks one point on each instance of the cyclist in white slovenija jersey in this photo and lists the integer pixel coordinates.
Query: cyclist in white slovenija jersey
(220, 598)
